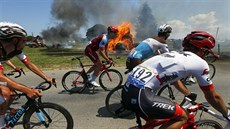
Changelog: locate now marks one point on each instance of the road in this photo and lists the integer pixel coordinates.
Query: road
(88, 110)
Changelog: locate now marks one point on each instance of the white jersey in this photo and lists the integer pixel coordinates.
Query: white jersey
(169, 67)
(156, 45)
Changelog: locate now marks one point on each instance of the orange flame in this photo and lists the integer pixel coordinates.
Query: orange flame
(125, 36)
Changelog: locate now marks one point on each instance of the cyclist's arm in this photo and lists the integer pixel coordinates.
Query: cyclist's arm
(103, 53)
(9, 63)
(106, 51)
(215, 100)
(17, 86)
(180, 86)
(37, 70)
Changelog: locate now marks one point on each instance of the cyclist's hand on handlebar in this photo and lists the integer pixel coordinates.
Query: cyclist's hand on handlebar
(33, 93)
(52, 81)
(19, 70)
(110, 60)
(192, 96)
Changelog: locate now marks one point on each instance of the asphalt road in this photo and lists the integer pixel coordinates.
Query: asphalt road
(88, 110)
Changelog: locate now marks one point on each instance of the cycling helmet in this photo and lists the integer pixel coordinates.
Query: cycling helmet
(112, 29)
(199, 39)
(11, 30)
(165, 28)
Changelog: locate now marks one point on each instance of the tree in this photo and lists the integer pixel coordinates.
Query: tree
(94, 31)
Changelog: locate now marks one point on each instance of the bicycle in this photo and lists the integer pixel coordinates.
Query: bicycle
(172, 93)
(114, 105)
(77, 81)
(38, 114)
(192, 107)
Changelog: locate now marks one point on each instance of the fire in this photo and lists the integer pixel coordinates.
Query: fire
(125, 36)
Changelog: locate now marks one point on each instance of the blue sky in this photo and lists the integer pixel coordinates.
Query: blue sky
(183, 15)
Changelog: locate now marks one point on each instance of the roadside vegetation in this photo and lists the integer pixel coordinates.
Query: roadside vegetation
(53, 58)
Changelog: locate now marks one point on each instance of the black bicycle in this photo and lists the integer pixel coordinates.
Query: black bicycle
(38, 114)
(77, 81)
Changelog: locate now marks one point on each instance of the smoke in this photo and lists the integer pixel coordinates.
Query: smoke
(72, 15)
(146, 23)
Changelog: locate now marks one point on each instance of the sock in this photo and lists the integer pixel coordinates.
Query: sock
(93, 78)
(2, 120)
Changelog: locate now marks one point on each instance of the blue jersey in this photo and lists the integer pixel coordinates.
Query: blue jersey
(148, 48)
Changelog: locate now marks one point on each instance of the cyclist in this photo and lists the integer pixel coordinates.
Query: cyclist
(12, 42)
(100, 44)
(139, 92)
(149, 47)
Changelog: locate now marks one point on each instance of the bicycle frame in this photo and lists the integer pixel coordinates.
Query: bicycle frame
(191, 121)
(83, 71)
(30, 103)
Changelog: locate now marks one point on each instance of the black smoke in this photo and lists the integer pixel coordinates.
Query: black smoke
(72, 16)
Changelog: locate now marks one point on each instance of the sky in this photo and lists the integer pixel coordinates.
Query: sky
(184, 16)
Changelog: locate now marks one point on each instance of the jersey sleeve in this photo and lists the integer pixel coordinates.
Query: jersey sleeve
(203, 77)
(104, 41)
(164, 48)
(22, 57)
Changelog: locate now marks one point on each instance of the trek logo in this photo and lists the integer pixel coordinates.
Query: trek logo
(163, 105)
(166, 78)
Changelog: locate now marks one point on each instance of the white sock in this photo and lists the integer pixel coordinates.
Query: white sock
(93, 78)
(2, 120)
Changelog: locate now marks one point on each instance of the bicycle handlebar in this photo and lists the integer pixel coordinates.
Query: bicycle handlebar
(18, 72)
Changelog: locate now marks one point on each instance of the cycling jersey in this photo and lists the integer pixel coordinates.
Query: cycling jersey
(157, 72)
(20, 56)
(166, 68)
(93, 46)
(100, 41)
(147, 48)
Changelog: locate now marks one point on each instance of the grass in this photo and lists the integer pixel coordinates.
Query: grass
(51, 59)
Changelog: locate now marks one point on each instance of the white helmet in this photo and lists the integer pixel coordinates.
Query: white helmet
(11, 30)
(165, 28)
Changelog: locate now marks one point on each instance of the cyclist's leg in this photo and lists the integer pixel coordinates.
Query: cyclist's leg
(5, 97)
(94, 58)
(145, 103)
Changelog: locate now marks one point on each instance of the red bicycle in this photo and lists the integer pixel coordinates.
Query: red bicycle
(192, 107)
(77, 81)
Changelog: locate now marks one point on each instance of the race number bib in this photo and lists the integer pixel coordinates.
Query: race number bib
(140, 76)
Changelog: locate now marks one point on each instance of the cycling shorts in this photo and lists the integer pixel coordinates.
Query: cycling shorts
(146, 104)
(91, 54)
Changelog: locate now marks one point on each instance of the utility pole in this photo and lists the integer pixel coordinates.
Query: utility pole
(218, 45)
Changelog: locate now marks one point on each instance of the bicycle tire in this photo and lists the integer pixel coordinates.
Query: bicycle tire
(207, 124)
(212, 70)
(172, 93)
(61, 118)
(108, 84)
(113, 103)
(70, 84)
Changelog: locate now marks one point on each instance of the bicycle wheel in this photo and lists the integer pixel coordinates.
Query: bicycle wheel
(207, 124)
(60, 117)
(172, 93)
(113, 103)
(110, 79)
(73, 81)
(212, 70)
